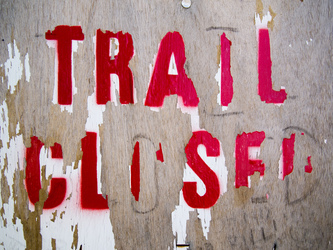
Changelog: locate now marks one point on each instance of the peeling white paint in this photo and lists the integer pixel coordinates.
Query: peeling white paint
(94, 120)
(12, 150)
(27, 68)
(94, 226)
(180, 215)
(218, 79)
(262, 24)
(95, 114)
(192, 111)
(281, 165)
(13, 67)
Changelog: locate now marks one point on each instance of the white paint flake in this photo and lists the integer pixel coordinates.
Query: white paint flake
(94, 120)
(218, 79)
(12, 151)
(13, 67)
(27, 68)
(281, 165)
(262, 24)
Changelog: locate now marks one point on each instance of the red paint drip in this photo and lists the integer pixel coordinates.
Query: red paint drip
(209, 178)
(64, 35)
(226, 78)
(135, 172)
(265, 86)
(90, 199)
(308, 168)
(58, 185)
(244, 166)
(161, 83)
(159, 154)
(105, 66)
(288, 155)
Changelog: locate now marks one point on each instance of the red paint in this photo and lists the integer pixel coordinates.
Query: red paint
(64, 35)
(209, 178)
(90, 199)
(159, 154)
(288, 155)
(135, 172)
(302, 133)
(161, 83)
(119, 65)
(226, 78)
(244, 166)
(57, 186)
(56, 152)
(265, 86)
(308, 168)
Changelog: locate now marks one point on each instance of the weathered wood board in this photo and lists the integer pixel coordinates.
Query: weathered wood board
(112, 198)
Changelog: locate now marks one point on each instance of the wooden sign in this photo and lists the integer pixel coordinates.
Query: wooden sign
(166, 125)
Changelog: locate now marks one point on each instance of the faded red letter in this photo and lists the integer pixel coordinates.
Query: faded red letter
(169, 76)
(287, 157)
(105, 66)
(90, 199)
(308, 168)
(286, 164)
(209, 178)
(265, 86)
(64, 35)
(135, 172)
(226, 78)
(159, 154)
(58, 185)
(246, 165)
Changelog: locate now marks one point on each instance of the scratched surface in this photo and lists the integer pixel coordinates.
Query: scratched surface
(294, 213)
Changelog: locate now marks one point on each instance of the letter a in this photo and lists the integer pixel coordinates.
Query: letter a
(169, 77)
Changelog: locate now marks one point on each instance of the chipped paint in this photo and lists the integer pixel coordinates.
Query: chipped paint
(11, 160)
(13, 67)
(94, 120)
(180, 215)
(262, 21)
(223, 76)
(24, 225)
(27, 68)
(265, 86)
(270, 24)
(53, 44)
